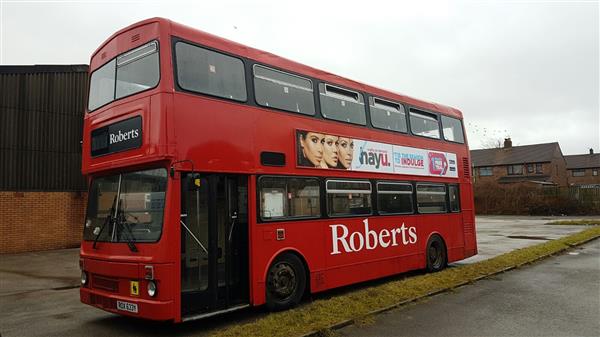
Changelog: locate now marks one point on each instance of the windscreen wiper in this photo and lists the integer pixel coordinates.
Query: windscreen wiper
(120, 221)
(106, 222)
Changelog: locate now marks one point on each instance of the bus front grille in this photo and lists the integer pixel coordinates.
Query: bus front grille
(105, 283)
(104, 302)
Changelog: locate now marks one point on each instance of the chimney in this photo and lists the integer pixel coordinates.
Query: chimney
(591, 150)
(507, 143)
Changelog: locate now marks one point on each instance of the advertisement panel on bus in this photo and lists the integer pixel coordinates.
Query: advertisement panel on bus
(326, 151)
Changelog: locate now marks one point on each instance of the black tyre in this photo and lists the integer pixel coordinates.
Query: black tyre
(286, 282)
(437, 257)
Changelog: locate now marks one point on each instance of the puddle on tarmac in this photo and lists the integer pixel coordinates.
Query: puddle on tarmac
(528, 237)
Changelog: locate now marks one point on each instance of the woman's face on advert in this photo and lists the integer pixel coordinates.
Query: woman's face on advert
(345, 151)
(312, 147)
(330, 150)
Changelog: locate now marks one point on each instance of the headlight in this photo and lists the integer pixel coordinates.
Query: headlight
(83, 278)
(151, 288)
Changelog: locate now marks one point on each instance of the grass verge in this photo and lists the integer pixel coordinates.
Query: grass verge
(588, 222)
(321, 316)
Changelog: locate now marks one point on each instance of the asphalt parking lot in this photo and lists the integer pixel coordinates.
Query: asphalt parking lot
(497, 235)
(555, 297)
(39, 293)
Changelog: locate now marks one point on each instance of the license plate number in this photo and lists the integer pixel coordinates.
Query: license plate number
(126, 306)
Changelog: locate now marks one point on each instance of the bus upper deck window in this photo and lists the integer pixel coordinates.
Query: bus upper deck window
(342, 104)
(424, 124)
(387, 115)
(129, 73)
(452, 129)
(284, 91)
(209, 72)
(137, 70)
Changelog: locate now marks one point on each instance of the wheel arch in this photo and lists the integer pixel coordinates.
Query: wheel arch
(296, 252)
(436, 233)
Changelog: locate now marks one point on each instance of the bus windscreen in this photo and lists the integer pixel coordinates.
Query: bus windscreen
(126, 207)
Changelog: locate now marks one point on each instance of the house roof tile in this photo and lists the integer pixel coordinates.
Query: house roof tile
(536, 153)
(583, 161)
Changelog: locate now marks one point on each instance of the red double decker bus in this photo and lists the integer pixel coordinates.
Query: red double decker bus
(223, 177)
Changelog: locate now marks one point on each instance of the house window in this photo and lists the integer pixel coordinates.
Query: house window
(578, 173)
(538, 168)
(515, 169)
(485, 171)
(595, 173)
(530, 168)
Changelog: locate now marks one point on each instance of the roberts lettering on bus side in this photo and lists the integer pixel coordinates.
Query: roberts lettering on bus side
(370, 239)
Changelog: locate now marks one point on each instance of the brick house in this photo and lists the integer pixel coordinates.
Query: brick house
(540, 164)
(584, 169)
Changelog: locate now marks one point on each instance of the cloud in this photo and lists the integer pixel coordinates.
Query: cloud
(530, 68)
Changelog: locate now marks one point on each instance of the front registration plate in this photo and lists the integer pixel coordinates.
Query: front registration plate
(126, 306)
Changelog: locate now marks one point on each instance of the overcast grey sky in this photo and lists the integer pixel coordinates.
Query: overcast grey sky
(524, 69)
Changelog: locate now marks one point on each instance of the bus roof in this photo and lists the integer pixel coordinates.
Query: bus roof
(231, 47)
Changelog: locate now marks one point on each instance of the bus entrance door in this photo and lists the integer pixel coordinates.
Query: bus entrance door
(214, 244)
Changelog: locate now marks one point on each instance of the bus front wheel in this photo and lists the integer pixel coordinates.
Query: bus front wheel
(286, 281)
(436, 254)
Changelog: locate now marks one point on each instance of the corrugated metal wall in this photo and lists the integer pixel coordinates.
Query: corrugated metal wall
(41, 121)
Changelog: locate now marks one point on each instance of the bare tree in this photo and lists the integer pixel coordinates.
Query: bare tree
(492, 143)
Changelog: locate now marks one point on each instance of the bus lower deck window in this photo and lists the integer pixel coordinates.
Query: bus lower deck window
(286, 197)
(431, 198)
(345, 197)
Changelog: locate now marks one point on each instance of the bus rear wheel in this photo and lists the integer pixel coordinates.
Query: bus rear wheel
(286, 282)
(436, 254)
